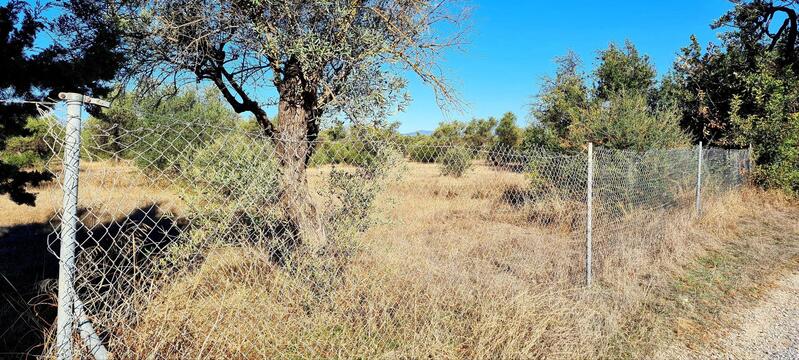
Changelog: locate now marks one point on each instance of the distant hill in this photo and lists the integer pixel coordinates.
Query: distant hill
(419, 132)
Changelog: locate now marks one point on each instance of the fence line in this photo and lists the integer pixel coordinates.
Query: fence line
(228, 191)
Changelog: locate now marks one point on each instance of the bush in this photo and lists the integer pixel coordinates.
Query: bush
(455, 161)
(232, 190)
(161, 129)
(358, 146)
(509, 135)
(561, 175)
(424, 150)
(352, 151)
(235, 167)
(624, 181)
(24, 159)
(771, 126)
(33, 150)
(501, 155)
(538, 137)
(349, 200)
(334, 152)
(626, 121)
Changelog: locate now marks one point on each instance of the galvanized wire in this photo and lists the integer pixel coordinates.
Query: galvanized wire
(158, 203)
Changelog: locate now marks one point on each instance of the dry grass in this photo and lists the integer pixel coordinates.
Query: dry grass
(452, 272)
(752, 251)
(14, 214)
(108, 190)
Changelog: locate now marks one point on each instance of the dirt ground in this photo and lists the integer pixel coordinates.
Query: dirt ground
(768, 330)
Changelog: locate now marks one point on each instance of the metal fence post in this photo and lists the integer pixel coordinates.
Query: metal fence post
(699, 180)
(66, 271)
(589, 215)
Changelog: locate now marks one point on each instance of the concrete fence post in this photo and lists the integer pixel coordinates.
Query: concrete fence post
(589, 216)
(71, 315)
(699, 179)
(69, 220)
(91, 340)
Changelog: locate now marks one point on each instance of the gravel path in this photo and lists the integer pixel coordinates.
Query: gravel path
(768, 331)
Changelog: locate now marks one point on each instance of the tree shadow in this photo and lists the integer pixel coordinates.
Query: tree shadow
(29, 269)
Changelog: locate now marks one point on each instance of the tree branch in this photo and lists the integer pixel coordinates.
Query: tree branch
(218, 76)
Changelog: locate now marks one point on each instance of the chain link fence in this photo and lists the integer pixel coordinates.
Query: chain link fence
(207, 240)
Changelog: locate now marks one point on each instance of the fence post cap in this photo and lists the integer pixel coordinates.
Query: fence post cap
(84, 99)
(68, 96)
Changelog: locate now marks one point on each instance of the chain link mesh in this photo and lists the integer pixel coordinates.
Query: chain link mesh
(197, 239)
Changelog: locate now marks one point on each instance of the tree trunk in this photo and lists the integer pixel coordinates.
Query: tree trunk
(293, 149)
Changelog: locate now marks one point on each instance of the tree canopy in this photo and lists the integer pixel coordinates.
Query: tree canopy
(741, 91)
(84, 58)
(623, 69)
(322, 59)
(616, 111)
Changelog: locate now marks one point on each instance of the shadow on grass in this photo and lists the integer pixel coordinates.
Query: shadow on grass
(29, 270)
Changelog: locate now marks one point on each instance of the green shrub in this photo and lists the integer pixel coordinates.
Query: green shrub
(333, 152)
(627, 180)
(232, 188)
(160, 130)
(235, 167)
(347, 199)
(231, 191)
(538, 137)
(352, 151)
(357, 146)
(623, 180)
(625, 121)
(509, 136)
(769, 121)
(455, 161)
(424, 150)
(24, 159)
(165, 142)
(501, 154)
(550, 173)
(32, 150)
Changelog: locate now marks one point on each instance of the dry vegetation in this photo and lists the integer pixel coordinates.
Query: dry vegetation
(451, 272)
(27, 267)
(104, 186)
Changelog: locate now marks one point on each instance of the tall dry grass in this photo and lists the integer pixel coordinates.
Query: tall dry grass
(108, 191)
(450, 273)
(452, 270)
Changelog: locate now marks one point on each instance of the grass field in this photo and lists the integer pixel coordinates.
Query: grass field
(448, 271)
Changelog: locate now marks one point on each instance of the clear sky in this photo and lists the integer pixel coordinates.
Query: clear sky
(512, 45)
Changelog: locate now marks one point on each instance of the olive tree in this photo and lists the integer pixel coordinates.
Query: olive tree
(317, 59)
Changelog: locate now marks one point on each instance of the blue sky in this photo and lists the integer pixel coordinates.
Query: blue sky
(512, 45)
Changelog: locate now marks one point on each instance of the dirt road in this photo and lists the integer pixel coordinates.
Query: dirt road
(770, 330)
